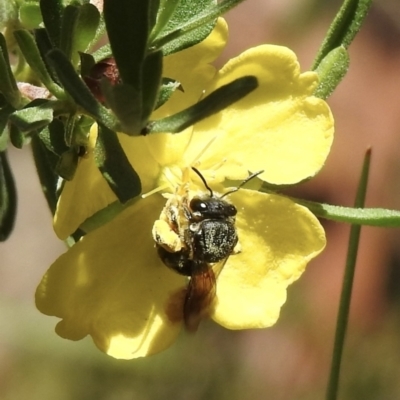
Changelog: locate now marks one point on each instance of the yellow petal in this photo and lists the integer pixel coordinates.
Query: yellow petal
(88, 192)
(112, 286)
(278, 238)
(192, 68)
(280, 127)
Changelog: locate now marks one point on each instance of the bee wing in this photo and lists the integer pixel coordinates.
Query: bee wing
(200, 295)
(217, 267)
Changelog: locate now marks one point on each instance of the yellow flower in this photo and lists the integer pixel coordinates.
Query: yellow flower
(113, 286)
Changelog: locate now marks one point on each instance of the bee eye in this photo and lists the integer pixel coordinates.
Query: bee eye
(198, 205)
(231, 210)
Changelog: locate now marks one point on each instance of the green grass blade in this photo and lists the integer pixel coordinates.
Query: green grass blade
(345, 298)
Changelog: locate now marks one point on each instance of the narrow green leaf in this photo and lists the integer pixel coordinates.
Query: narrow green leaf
(77, 89)
(152, 74)
(67, 164)
(17, 137)
(8, 198)
(165, 15)
(29, 49)
(344, 27)
(45, 163)
(68, 28)
(45, 46)
(30, 15)
(87, 63)
(52, 11)
(69, 134)
(127, 23)
(53, 137)
(154, 6)
(105, 215)
(5, 113)
(85, 30)
(115, 167)
(78, 29)
(347, 286)
(31, 118)
(221, 98)
(167, 89)
(8, 85)
(100, 32)
(379, 217)
(331, 71)
(126, 103)
(182, 32)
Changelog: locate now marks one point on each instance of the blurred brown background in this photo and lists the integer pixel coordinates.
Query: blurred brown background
(290, 360)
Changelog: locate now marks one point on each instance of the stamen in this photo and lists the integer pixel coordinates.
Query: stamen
(205, 148)
(156, 190)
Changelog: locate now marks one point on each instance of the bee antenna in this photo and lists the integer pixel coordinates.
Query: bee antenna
(249, 178)
(204, 181)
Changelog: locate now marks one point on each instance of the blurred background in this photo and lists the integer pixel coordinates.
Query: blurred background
(290, 360)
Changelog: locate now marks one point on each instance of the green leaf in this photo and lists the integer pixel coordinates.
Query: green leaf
(30, 15)
(45, 163)
(52, 13)
(105, 215)
(68, 26)
(152, 74)
(33, 117)
(126, 103)
(69, 134)
(166, 10)
(87, 63)
(67, 164)
(53, 137)
(5, 113)
(154, 6)
(17, 137)
(221, 98)
(85, 30)
(115, 167)
(45, 46)
(78, 29)
(174, 37)
(8, 85)
(8, 198)
(127, 23)
(331, 71)
(344, 27)
(359, 216)
(77, 89)
(185, 30)
(33, 57)
(167, 89)
(100, 32)
(347, 287)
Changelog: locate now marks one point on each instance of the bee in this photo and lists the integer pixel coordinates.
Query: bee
(202, 236)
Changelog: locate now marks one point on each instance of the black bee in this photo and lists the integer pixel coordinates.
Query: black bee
(209, 237)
